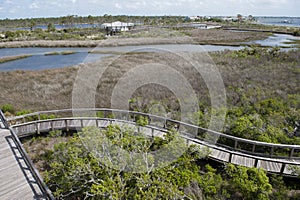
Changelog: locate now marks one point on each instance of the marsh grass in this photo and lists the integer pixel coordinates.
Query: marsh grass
(296, 43)
(12, 58)
(255, 74)
(59, 53)
(51, 53)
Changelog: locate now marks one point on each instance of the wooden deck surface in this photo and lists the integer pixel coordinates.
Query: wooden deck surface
(16, 180)
(221, 154)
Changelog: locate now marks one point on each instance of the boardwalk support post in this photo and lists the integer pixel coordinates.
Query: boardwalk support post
(256, 163)
(282, 168)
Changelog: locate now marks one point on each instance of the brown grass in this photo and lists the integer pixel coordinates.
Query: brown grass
(219, 36)
(12, 58)
(194, 36)
(257, 78)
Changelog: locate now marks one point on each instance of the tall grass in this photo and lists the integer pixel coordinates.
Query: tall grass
(12, 58)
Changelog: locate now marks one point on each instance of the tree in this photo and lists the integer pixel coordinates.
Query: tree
(239, 17)
(32, 24)
(250, 18)
(251, 183)
(76, 171)
(50, 27)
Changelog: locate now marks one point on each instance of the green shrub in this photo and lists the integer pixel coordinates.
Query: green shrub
(8, 108)
(296, 33)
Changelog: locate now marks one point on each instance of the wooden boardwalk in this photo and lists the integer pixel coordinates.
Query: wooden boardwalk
(218, 153)
(17, 174)
(16, 179)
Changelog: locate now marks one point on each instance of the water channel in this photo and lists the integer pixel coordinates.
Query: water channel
(41, 59)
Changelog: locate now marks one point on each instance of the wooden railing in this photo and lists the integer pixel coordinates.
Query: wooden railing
(232, 146)
(3, 122)
(45, 190)
(251, 147)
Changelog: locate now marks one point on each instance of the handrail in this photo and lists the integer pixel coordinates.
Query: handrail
(283, 163)
(3, 119)
(30, 164)
(236, 139)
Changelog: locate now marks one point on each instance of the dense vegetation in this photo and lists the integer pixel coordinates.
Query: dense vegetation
(75, 170)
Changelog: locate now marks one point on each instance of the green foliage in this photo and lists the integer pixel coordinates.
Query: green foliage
(23, 112)
(296, 33)
(211, 183)
(256, 52)
(8, 108)
(53, 134)
(265, 120)
(279, 188)
(76, 172)
(142, 120)
(251, 183)
(50, 27)
(100, 114)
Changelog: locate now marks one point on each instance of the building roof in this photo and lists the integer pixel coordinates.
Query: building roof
(118, 24)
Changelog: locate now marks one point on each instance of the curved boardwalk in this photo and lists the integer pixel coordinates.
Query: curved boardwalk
(17, 181)
(274, 158)
(20, 180)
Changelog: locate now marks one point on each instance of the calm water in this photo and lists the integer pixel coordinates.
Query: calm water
(278, 40)
(280, 21)
(57, 26)
(39, 61)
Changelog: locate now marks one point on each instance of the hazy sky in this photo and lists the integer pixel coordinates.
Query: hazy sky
(49, 8)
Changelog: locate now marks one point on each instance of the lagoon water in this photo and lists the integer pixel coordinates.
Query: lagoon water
(279, 21)
(39, 61)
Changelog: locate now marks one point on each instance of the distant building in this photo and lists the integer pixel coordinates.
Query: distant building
(195, 18)
(114, 27)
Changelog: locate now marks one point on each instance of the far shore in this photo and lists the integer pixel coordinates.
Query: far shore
(94, 43)
(203, 37)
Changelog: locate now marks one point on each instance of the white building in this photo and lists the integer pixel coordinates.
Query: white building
(118, 26)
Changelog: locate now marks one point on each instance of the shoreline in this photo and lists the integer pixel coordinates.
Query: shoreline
(96, 43)
(202, 37)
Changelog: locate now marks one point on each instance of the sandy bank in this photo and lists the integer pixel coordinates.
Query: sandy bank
(93, 43)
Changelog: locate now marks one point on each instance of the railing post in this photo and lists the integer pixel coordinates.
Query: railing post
(152, 132)
(37, 128)
(253, 148)
(97, 123)
(235, 144)
(256, 163)
(52, 125)
(230, 158)
(282, 168)
(3, 119)
(291, 152)
(272, 151)
(67, 126)
(81, 123)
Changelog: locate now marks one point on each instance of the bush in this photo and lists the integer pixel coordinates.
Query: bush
(296, 33)
(8, 108)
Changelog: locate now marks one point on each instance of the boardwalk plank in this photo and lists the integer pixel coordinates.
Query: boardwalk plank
(17, 181)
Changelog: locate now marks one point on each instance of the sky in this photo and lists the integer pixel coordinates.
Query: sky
(56, 8)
